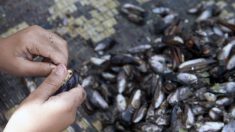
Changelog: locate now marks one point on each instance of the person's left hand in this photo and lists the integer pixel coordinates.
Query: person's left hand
(17, 52)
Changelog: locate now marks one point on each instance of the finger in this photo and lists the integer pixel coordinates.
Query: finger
(32, 68)
(55, 41)
(48, 51)
(51, 84)
(73, 98)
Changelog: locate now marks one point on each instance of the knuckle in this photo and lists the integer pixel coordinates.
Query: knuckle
(45, 69)
(52, 83)
(30, 32)
(35, 48)
(55, 59)
(23, 38)
(59, 59)
(35, 27)
(48, 54)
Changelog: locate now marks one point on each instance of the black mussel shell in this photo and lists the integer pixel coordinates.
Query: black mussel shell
(126, 116)
(120, 60)
(71, 83)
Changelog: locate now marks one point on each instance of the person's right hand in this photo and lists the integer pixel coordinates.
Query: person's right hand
(42, 112)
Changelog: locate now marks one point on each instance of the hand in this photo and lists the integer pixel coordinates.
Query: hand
(41, 112)
(17, 52)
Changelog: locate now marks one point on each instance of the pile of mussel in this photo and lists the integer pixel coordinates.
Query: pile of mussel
(182, 80)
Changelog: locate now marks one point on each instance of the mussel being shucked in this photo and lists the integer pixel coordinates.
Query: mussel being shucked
(70, 81)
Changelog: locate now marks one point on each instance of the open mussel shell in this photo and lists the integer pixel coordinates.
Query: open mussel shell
(71, 81)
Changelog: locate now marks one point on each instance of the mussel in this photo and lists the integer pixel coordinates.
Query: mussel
(71, 80)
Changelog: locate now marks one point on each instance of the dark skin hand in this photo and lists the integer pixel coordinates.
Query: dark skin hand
(40, 111)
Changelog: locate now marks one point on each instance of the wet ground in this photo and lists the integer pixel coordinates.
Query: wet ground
(83, 23)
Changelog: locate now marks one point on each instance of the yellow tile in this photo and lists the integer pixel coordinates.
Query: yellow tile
(115, 12)
(83, 19)
(65, 2)
(114, 21)
(73, 8)
(90, 33)
(99, 29)
(96, 22)
(94, 13)
(93, 22)
(98, 125)
(233, 5)
(10, 112)
(97, 39)
(87, 27)
(101, 38)
(110, 13)
(55, 9)
(84, 2)
(116, 2)
(62, 30)
(143, 1)
(15, 29)
(59, 6)
(103, 9)
(112, 31)
(78, 21)
(51, 10)
(108, 23)
(101, 18)
(112, 5)
(80, 30)
(106, 34)
(106, 16)
(85, 36)
(83, 123)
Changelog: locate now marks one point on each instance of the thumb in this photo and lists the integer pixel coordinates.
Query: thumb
(51, 84)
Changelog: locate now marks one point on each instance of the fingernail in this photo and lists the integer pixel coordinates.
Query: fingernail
(60, 69)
